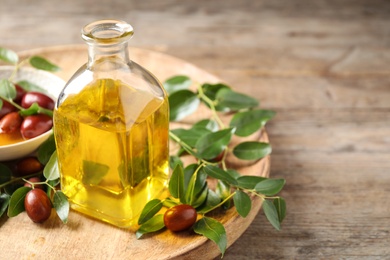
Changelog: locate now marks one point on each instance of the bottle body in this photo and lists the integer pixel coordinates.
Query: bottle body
(111, 130)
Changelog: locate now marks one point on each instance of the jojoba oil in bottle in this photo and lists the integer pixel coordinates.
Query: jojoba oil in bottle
(111, 126)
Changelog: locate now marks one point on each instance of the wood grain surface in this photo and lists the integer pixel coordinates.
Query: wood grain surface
(322, 65)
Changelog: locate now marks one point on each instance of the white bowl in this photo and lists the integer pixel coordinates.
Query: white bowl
(52, 86)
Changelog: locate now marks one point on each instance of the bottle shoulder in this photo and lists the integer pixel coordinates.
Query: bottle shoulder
(132, 75)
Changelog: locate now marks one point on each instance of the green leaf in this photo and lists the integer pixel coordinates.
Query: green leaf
(42, 64)
(223, 190)
(213, 230)
(234, 173)
(151, 208)
(35, 109)
(218, 173)
(29, 86)
(1, 103)
(200, 198)
(16, 202)
(5, 173)
(200, 181)
(152, 225)
(232, 100)
(7, 89)
(211, 90)
(195, 186)
(45, 111)
(271, 214)
(190, 136)
(52, 183)
(174, 161)
(32, 110)
(177, 83)
(249, 182)
(4, 202)
(252, 150)
(8, 55)
(270, 187)
(46, 149)
(208, 124)
(243, 203)
(189, 171)
(93, 172)
(182, 103)
(211, 145)
(212, 200)
(176, 183)
(280, 205)
(248, 122)
(169, 202)
(51, 171)
(61, 205)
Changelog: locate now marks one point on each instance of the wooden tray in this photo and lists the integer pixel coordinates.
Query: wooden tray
(86, 238)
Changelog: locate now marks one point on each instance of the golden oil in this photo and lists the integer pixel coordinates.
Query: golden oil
(10, 138)
(112, 147)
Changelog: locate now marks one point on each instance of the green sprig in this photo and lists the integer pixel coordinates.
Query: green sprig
(209, 142)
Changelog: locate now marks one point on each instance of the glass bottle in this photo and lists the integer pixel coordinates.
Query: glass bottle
(111, 129)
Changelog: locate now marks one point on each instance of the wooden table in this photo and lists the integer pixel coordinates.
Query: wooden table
(323, 66)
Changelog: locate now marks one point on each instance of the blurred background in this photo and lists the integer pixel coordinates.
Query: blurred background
(223, 37)
(322, 65)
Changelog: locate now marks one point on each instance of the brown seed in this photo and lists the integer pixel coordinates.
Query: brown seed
(180, 217)
(27, 166)
(6, 108)
(35, 125)
(35, 97)
(10, 123)
(37, 205)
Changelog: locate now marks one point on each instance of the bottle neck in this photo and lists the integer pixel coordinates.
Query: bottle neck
(115, 55)
(107, 44)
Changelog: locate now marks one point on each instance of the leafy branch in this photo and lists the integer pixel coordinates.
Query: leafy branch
(209, 142)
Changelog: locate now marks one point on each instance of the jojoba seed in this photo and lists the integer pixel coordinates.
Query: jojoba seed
(35, 125)
(37, 205)
(28, 165)
(36, 97)
(180, 217)
(10, 123)
(6, 108)
(34, 180)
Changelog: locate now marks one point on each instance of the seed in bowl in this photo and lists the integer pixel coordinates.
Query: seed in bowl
(14, 127)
